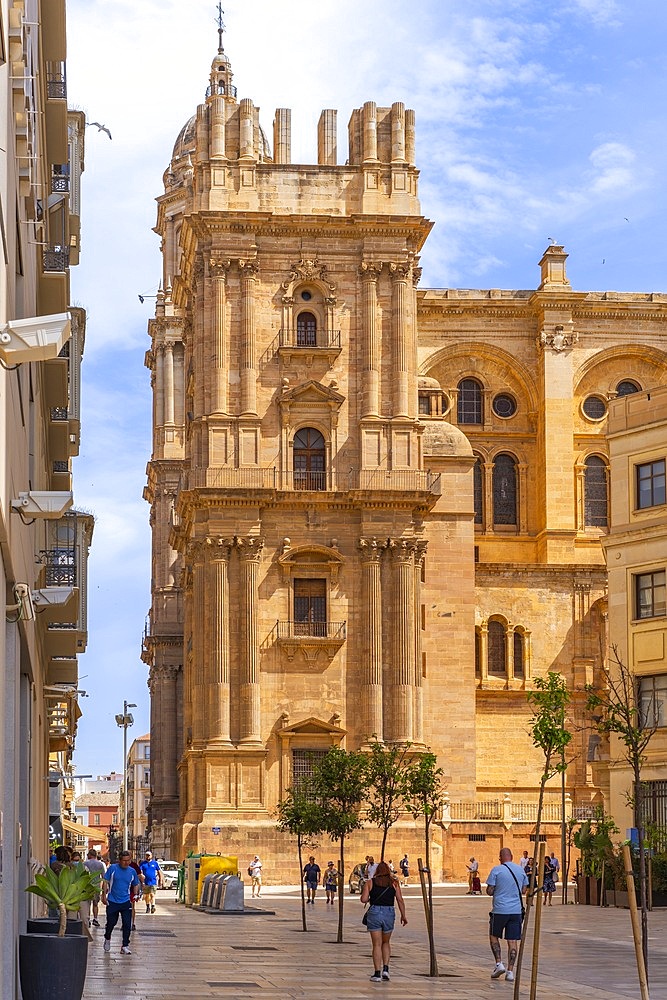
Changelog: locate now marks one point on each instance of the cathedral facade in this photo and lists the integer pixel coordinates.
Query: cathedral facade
(376, 509)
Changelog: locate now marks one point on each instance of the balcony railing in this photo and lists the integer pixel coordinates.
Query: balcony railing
(221, 90)
(324, 339)
(60, 178)
(56, 81)
(405, 480)
(316, 630)
(56, 258)
(476, 811)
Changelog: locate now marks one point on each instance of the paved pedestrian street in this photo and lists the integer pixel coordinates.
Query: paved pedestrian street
(586, 953)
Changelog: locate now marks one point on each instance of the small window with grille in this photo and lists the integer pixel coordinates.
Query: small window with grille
(477, 838)
(303, 765)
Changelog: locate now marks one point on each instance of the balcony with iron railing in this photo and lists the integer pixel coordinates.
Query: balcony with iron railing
(221, 90)
(310, 638)
(56, 258)
(504, 808)
(394, 480)
(308, 345)
(56, 81)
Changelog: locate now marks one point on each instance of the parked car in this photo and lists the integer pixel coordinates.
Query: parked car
(356, 880)
(170, 870)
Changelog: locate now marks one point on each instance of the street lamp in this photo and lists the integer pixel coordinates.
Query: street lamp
(124, 721)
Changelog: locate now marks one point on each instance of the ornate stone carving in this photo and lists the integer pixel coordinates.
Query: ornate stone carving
(401, 549)
(312, 270)
(559, 338)
(400, 270)
(370, 549)
(249, 267)
(218, 267)
(250, 547)
(370, 269)
(219, 547)
(416, 275)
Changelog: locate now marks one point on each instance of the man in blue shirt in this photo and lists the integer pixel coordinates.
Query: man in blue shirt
(152, 874)
(506, 883)
(117, 885)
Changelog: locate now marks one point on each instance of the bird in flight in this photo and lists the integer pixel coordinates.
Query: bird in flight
(101, 128)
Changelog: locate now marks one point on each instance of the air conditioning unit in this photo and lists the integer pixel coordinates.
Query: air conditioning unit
(38, 338)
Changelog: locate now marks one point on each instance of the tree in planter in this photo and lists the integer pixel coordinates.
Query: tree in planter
(615, 708)
(593, 841)
(340, 784)
(66, 890)
(550, 734)
(425, 797)
(388, 769)
(301, 815)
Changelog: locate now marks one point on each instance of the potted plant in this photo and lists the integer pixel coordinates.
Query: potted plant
(53, 966)
(593, 839)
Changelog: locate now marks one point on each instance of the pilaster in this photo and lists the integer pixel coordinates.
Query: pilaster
(250, 549)
(371, 671)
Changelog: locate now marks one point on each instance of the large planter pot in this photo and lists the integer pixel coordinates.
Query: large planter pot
(51, 967)
(588, 890)
(51, 925)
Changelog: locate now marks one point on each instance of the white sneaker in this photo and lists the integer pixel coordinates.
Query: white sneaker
(125, 950)
(509, 977)
(498, 971)
(107, 945)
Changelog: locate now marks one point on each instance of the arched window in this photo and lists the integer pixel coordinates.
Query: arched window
(596, 513)
(306, 330)
(497, 649)
(470, 402)
(309, 459)
(627, 387)
(519, 640)
(504, 490)
(478, 491)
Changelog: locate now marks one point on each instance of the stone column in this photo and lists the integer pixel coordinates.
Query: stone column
(370, 135)
(484, 650)
(418, 711)
(159, 386)
(218, 128)
(400, 304)
(164, 757)
(217, 633)
(198, 550)
(401, 689)
(370, 272)
(169, 384)
(250, 721)
(248, 270)
(219, 377)
(371, 668)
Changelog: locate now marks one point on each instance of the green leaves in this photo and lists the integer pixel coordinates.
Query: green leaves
(69, 887)
(550, 701)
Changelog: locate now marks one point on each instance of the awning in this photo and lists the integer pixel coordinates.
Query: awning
(92, 832)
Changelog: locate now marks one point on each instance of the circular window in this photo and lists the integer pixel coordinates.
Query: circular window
(306, 296)
(504, 405)
(594, 407)
(626, 387)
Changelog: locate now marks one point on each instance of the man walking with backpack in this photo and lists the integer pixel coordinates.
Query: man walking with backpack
(506, 883)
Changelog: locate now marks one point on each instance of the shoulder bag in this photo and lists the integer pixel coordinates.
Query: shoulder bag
(523, 909)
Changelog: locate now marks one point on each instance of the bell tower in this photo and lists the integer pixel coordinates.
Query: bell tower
(288, 484)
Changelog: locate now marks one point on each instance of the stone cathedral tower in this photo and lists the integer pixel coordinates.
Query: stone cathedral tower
(376, 509)
(302, 514)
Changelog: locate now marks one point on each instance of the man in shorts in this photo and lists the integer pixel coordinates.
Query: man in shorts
(255, 873)
(311, 876)
(506, 883)
(93, 864)
(152, 874)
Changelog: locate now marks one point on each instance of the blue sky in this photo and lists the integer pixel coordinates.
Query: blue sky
(534, 122)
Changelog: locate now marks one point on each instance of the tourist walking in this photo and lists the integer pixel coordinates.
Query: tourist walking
(506, 883)
(330, 881)
(118, 885)
(382, 891)
(548, 883)
(97, 867)
(524, 860)
(255, 873)
(404, 865)
(152, 873)
(311, 876)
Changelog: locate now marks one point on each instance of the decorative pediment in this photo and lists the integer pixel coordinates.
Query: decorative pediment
(314, 273)
(319, 558)
(309, 393)
(312, 727)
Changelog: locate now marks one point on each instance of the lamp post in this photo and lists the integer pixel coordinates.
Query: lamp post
(124, 721)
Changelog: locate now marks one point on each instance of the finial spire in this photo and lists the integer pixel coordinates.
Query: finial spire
(221, 27)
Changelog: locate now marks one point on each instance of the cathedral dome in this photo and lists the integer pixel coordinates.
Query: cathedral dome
(444, 439)
(185, 142)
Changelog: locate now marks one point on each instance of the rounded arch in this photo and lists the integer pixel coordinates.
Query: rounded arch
(486, 362)
(505, 489)
(644, 364)
(309, 459)
(470, 400)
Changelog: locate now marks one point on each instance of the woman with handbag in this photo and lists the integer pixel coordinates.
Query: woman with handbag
(382, 891)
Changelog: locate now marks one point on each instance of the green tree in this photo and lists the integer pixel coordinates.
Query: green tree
(425, 797)
(549, 733)
(615, 708)
(301, 815)
(340, 783)
(387, 772)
